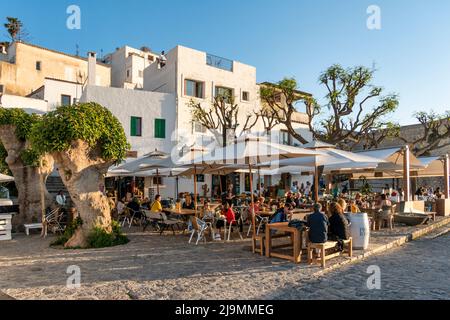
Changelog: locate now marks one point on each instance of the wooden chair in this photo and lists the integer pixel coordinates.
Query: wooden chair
(322, 247)
(386, 215)
(258, 248)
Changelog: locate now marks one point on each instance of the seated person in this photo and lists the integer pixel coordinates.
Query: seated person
(318, 225)
(280, 215)
(156, 205)
(383, 202)
(353, 207)
(146, 203)
(338, 229)
(135, 208)
(226, 214)
(120, 206)
(343, 204)
(289, 198)
(189, 204)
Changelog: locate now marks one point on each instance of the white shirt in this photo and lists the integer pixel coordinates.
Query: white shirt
(61, 199)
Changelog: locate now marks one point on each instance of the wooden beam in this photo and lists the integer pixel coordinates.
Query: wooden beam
(446, 177)
(406, 174)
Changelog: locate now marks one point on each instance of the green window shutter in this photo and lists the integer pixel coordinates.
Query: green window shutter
(133, 127)
(160, 128)
(136, 127)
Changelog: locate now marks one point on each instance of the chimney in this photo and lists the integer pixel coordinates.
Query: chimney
(92, 64)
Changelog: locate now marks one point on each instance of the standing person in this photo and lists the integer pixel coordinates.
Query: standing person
(308, 189)
(318, 225)
(294, 188)
(61, 198)
(162, 59)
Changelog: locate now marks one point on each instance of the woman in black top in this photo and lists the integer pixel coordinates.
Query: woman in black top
(338, 229)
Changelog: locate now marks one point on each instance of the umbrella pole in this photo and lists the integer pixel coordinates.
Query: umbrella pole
(446, 176)
(157, 181)
(252, 200)
(316, 185)
(406, 174)
(259, 182)
(195, 189)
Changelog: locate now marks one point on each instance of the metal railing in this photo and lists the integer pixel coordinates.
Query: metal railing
(219, 62)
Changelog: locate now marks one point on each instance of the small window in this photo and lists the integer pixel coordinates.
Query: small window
(226, 93)
(199, 128)
(157, 181)
(136, 127)
(128, 73)
(66, 100)
(245, 96)
(285, 137)
(38, 65)
(160, 128)
(193, 88)
(200, 178)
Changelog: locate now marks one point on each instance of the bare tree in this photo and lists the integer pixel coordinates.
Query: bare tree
(346, 118)
(436, 133)
(221, 118)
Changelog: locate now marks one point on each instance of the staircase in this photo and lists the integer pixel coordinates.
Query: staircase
(54, 184)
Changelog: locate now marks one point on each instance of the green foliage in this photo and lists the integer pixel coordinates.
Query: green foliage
(3, 165)
(23, 122)
(366, 188)
(89, 122)
(20, 119)
(68, 233)
(99, 238)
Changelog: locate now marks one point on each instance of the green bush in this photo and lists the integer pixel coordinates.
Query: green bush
(99, 238)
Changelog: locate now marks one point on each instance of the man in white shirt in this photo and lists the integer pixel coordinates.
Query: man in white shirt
(162, 59)
(61, 198)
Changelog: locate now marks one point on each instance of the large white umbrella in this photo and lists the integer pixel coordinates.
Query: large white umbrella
(155, 160)
(329, 156)
(252, 150)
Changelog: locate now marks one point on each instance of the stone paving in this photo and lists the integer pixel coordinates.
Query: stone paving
(418, 270)
(167, 267)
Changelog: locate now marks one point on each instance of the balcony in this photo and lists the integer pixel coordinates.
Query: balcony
(219, 62)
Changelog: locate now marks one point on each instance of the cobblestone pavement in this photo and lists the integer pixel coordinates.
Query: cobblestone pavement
(167, 267)
(418, 270)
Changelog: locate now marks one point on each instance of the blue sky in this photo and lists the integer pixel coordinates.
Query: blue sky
(299, 38)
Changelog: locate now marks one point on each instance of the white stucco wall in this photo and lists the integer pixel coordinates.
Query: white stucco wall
(31, 105)
(149, 106)
(54, 89)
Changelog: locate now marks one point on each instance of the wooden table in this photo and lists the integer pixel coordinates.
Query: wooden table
(182, 212)
(432, 215)
(296, 241)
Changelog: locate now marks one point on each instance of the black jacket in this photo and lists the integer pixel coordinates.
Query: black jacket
(339, 227)
(318, 227)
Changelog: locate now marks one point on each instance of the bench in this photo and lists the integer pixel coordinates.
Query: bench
(322, 247)
(261, 238)
(30, 226)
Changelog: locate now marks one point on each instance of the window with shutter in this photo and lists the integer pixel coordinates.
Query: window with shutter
(136, 127)
(160, 128)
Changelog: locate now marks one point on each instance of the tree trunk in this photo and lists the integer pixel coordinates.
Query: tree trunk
(82, 170)
(26, 179)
